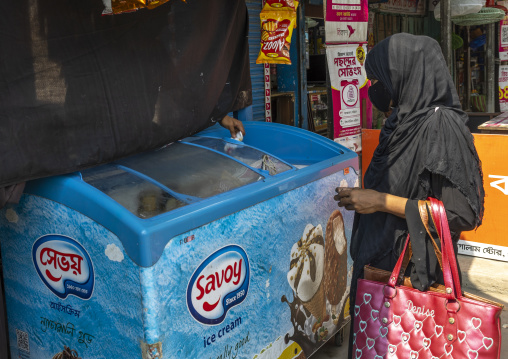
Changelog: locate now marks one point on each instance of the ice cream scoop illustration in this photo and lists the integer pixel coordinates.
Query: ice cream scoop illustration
(306, 269)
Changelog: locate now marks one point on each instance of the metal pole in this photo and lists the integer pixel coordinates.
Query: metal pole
(446, 32)
(491, 67)
(467, 77)
(302, 71)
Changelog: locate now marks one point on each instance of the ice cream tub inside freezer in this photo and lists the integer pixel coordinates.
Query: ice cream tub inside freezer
(206, 248)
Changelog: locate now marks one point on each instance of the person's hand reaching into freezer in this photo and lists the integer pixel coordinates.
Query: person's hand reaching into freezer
(234, 126)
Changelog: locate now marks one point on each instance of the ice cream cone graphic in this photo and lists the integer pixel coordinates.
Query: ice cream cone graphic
(316, 305)
(305, 275)
(335, 271)
(67, 353)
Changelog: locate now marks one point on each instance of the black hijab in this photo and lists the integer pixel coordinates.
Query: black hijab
(417, 140)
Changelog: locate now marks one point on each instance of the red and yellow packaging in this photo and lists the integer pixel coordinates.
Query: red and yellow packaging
(280, 5)
(276, 30)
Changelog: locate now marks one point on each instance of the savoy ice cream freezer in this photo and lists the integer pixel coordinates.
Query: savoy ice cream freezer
(206, 248)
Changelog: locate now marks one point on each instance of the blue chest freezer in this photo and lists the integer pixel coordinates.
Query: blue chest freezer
(205, 248)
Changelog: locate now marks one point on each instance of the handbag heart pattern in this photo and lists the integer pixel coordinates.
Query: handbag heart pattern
(415, 332)
(394, 322)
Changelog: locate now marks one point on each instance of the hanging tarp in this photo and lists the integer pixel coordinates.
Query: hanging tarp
(78, 89)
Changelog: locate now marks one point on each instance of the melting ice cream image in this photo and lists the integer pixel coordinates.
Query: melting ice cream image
(335, 274)
(306, 270)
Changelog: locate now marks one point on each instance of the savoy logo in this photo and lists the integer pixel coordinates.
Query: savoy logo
(219, 283)
(64, 266)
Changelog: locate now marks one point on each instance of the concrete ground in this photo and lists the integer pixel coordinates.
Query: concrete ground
(484, 277)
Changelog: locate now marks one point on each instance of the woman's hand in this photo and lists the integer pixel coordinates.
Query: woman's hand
(367, 201)
(360, 200)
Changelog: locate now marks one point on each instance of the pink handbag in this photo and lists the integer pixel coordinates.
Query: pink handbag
(394, 321)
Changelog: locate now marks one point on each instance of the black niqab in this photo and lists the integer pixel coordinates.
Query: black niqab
(426, 134)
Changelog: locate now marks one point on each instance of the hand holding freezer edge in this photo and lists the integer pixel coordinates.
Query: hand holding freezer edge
(310, 277)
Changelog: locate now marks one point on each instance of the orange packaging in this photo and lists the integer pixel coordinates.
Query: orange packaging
(123, 6)
(278, 5)
(120, 6)
(276, 30)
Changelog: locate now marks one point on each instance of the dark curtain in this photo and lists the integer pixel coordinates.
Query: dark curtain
(79, 89)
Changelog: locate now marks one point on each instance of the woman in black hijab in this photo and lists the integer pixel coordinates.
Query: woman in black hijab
(425, 150)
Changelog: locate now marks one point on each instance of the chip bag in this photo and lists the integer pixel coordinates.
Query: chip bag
(278, 5)
(276, 30)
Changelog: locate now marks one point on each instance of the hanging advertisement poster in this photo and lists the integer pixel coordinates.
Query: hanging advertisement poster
(268, 94)
(408, 7)
(349, 92)
(503, 37)
(370, 31)
(503, 88)
(346, 20)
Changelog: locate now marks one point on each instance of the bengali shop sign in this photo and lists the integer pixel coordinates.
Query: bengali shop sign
(407, 7)
(348, 82)
(503, 88)
(490, 240)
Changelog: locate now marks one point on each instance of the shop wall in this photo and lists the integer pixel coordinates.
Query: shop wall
(493, 231)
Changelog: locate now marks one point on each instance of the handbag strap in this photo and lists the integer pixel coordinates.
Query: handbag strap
(435, 211)
(396, 270)
(451, 252)
(448, 261)
(450, 269)
(422, 208)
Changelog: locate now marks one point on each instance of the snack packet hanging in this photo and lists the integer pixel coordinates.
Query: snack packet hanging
(280, 5)
(120, 6)
(114, 7)
(151, 4)
(276, 30)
